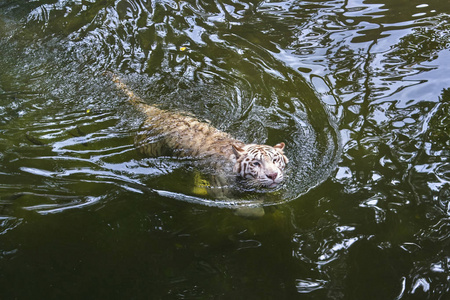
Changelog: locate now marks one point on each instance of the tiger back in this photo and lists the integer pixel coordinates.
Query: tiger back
(171, 133)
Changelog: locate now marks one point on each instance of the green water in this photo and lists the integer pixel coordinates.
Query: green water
(356, 89)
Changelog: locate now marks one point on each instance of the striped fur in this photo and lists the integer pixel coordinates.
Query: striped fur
(171, 133)
(260, 165)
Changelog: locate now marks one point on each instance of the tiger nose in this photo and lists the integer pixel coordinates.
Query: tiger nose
(272, 176)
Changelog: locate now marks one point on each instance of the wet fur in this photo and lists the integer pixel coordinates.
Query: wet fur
(170, 133)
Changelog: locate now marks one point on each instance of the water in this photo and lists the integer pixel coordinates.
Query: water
(356, 90)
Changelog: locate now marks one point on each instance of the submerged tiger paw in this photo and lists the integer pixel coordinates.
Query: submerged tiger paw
(200, 185)
(250, 212)
(216, 186)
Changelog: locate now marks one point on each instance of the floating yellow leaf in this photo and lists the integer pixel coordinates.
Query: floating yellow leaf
(182, 48)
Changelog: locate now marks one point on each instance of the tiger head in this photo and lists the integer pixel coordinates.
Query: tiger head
(260, 165)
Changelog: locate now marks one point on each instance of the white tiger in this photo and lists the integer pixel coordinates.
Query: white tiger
(172, 133)
(260, 165)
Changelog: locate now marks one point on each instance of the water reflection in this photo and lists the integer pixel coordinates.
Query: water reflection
(221, 74)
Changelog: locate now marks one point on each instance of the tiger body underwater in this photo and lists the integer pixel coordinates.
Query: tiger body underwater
(170, 133)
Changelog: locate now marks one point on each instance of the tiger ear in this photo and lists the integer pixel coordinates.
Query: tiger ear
(279, 146)
(237, 150)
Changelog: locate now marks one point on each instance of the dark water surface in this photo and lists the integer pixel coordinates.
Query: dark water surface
(356, 89)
